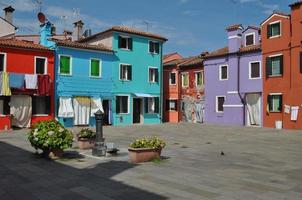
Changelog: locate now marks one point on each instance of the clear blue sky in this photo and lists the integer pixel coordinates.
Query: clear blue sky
(192, 26)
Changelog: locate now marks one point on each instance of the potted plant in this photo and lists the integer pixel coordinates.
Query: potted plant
(50, 137)
(86, 138)
(143, 150)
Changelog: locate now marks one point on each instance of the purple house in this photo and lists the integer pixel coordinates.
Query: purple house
(233, 79)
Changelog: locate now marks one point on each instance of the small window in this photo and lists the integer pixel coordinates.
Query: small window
(125, 72)
(65, 65)
(255, 70)
(154, 47)
(249, 39)
(152, 105)
(125, 43)
(274, 29)
(172, 78)
(4, 105)
(274, 66)
(95, 68)
(171, 105)
(2, 62)
(122, 104)
(185, 79)
(219, 103)
(274, 102)
(223, 72)
(40, 65)
(153, 75)
(199, 78)
(41, 105)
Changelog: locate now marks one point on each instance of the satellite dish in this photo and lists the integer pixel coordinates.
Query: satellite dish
(41, 17)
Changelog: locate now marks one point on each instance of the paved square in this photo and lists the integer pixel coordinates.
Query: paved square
(258, 164)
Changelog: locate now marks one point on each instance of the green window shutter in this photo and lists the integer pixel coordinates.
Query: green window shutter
(119, 42)
(156, 47)
(130, 45)
(117, 104)
(281, 64)
(280, 103)
(156, 110)
(146, 104)
(65, 65)
(95, 68)
(151, 47)
(1, 62)
(268, 67)
(156, 75)
(129, 68)
(301, 62)
(269, 31)
(269, 102)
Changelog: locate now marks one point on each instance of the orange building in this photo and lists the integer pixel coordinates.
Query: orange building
(282, 85)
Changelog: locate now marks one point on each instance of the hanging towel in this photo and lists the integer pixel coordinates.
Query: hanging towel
(294, 113)
(65, 107)
(96, 104)
(81, 110)
(16, 80)
(110, 116)
(21, 110)
(286, 109)
(5, 90)
(43, 85)
(31, 81)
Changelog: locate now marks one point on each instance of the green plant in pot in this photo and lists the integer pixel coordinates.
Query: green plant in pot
(143, 149)
(86, 138)
(50, 137)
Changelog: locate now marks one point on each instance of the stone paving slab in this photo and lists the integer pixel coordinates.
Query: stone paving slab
(258, 164)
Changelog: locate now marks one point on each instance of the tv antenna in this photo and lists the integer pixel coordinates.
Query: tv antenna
(76, 13)
(64, 19)
(39, 3)
(147, 24)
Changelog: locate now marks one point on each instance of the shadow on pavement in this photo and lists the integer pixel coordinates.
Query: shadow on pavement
(26, 176)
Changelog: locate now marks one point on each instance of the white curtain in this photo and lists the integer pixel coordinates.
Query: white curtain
(21, 110)
(65, 107)
(81, 110)
(253, 109)
(96, 104)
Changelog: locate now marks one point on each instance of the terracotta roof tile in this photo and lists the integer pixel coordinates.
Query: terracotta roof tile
(177, 62)
(218, 52)
(21, 44)
(250, 48)
(68, 43)
(225, 51)
(125, 29)
(197, 60)
(234, 27)
(295, 3)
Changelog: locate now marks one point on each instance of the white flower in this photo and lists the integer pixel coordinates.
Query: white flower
(61, 130)
(36, 139)
(36, 132)
(50, 133)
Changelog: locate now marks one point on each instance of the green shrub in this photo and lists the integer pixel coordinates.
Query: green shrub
(86, 133)
(47, 135)
(153, 143)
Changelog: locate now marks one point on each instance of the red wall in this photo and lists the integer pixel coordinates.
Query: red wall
(23, 61)
(191, 90)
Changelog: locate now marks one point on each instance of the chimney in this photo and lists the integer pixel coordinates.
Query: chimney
(9, 14)
(234, 37)
(78, 30)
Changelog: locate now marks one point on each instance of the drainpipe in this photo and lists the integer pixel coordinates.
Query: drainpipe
(161, 87)
(238, 88)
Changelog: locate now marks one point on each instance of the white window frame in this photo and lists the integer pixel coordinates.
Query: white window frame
(202, 77)
(220, 74)
(45, 64)
(127, 72)
(151, 67)
(154, 48)
(216, 104)
(5, 61)
(250, 69)
(171, 79)
(100, 68)
(275, 94)
(128, 110)
(276, 55)
(254, 39)
(169, 105)
(275, 22)
(126, 37)
(182, 80)
(59, 71)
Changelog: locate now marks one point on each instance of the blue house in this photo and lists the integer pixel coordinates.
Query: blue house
(136, 74)
(83, 75)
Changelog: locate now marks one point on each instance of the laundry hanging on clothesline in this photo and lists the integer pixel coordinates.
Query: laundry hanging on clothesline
(5, 89)
(294, 113)
(31, 81)
(287, 109)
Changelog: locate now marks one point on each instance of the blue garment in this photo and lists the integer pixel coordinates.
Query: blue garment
(16, 80)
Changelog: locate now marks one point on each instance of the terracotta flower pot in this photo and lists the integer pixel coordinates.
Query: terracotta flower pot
(86, 143)
(138, 155)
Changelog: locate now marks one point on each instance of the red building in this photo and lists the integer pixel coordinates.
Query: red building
(184, 90)
(282, 53)
(26, 80)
